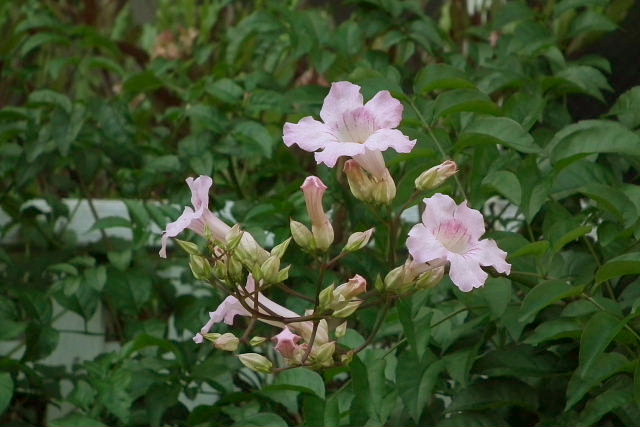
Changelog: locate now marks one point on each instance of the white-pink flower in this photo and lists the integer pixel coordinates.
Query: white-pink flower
(452, 233)
(351, 128)
(199, 218)
(287, 343)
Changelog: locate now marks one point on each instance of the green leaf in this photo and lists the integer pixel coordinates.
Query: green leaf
(615, 397)
(257, 134)
(583, 78)
(592, 136)
(570, 236)
(120, 259)
(613, 200)
(553, 330)
(581, 382)
(146, 81)
(76, 420)
(416, 328)
(497, 294)
(619, 266)
(473, 419)
(111, 222)
(544, 294)
(458, 100)
(226, 90)
(262, 419)
(143, 341)
(66, 127)
(506, 183)
(441, 76)
(415, 382)
(518, 361)
(566, 5)
(50, 97)
(299, 379)
(41, 39)
(599, 331)
(497, 130)
(627, 108)
(495, 393)
(313, 411)
(533, 248)
(6, 391)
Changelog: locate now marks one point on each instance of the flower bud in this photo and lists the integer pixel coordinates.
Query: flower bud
(326, 297)
(256, 362)
(341, 330)
(302, 235)
(360, 183)
(358, 240)
(250, 252)
(354, 287)
(256, 341)
(200, 267)
(430, 279)
(324, 354)
(322, 235)
(279, 250)
(234, 237)
(189, 247)
(384, 190)
(227, 342)
(394, 279)
(283, 274)
(436, 176)
(235, 268)
(348, 309)
(346, 358)
(270, 268)
(212, 336)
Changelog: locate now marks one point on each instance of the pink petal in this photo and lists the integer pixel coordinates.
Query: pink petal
(386, 109)
(439, 208)
(342, 98)
(465, 272)
(488, 254)
(200, 191)
(373, 162)
(472, 220)
(198, 339)
(188, 219)
(390, 138)
(329, 156)
(287, 343)
(309, 134)
(228, 310)
(423, 245)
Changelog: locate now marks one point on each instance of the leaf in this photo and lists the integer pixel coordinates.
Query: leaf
(6, 391)
(554, 329)
(581, 382)
(66, 127)
(441, 76)
(619, 266)
(50, 97)
(146, 81)
(592, 136)
(120, 259)
(226, 90)
(615, 397)
(299, 379)
(506, 183)
(497, 294)
(415, 382)
(473, 419)
(458, 100)
(40, 39)
(110, 222)
(76, 420)
(313, 411)
(416, 328)
(613, 200)
(262, 419)
(599, 331)
(143, 341)
(257, 134)
(518, 361)
(495, 393)
(583, 78)
(533, 248)
(497, 130)
(627, 108)
(544, 294)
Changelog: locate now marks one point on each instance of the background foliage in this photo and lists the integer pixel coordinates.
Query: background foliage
(536, 101)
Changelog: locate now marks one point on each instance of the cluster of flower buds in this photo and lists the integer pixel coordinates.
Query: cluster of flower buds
(341, 301)
(412, 276)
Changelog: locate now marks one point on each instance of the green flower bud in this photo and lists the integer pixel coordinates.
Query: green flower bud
(436, 176)
(270, 269)
(189, 247)
(358, 240)
(302, 235)
(234, 237)
(256, 341)
(326, 297)
(348, 309)
(256, 362)
(200, 267)
(341, 330)
(279, 250)
(324, 354)
(227, 342)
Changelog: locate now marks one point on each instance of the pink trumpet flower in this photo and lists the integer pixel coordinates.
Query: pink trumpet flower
(351, 128)
(451, 233)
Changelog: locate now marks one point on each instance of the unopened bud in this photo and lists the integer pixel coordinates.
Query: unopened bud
(189, 247)
(270, 269)
(322, 235)
(212, 336)
(302, 235)
(256, 341)
(436, 176)
(346, 358)
(354, 287)
(279, 250)
(358, 240)
(324, 354)
(360, 183)
(348, 309)
(256, 362)
(200, 267)
(250, 252)
(235, 268)
(326, 297)
(430, 279)
(384, 190)
(234, 237)
(341, 330)
(394, 279)
(227, 342)
(283, 274)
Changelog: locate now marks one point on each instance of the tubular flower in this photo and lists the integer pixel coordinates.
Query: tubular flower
(313, 189)
(199, 218)
(287, 343)
(351, 128)
(451, 233)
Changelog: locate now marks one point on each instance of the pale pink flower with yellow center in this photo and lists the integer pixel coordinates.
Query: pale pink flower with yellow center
(451, 233)
(199, 218)
(351, 128)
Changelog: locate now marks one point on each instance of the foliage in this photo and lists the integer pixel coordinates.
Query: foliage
(115, 100)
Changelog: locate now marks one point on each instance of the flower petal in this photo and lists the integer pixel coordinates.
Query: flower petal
(488, 254)
(423, 245)
(342, 98)
(465, 272)
(386, 109)
(228, 310)
(329, 156)
(309, 134)
(390, 138)
(472, 220)
(188, 219)
(200, 191)
(439, 208)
